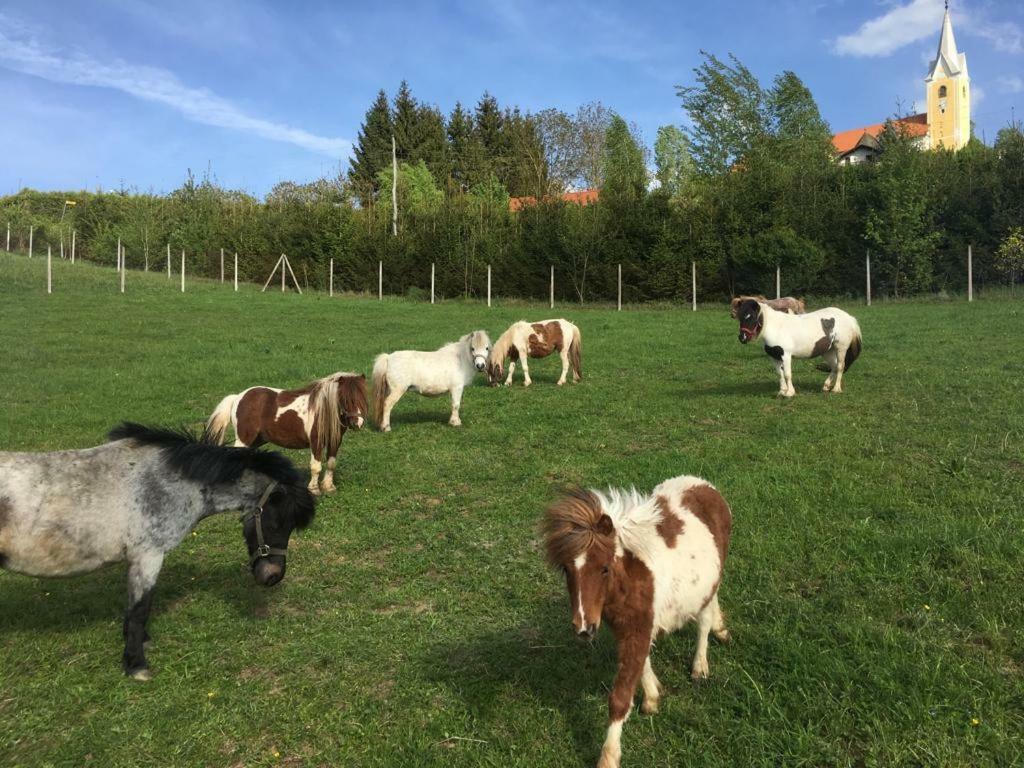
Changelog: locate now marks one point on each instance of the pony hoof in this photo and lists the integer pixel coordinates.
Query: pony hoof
(455, 423)
(723, 636)
(330, 490)
(386, 429)
(142, 675)
(649, 706)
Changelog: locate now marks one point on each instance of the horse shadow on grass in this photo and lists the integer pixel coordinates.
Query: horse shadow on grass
(542, 660)
(66, 604)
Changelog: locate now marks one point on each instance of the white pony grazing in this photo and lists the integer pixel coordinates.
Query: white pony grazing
(448, 369)
(828, 333)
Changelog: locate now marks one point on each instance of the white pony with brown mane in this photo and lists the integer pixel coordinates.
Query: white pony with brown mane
(448, 369)
(524, 340)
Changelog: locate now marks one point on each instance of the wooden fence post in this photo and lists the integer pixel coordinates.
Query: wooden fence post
(49, 271)
(431, 282)
(236, 272)
(62, 245)
(168, 261)
(288, 264)
(380, 280)
(123, 269)
(778, 282)
(8, 237)
(867, 268)
(73, 233)
(620, 286)
(283, 257)
(552, 286)
(222, 266)
(330, 282)
(31, 231)
(970, 275)
(488, 285)
(694, 284)
(182, 270)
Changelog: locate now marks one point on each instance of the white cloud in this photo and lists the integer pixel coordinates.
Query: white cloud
(900, 26)
(917, 20)
(1011, 84)
(977, 96)
(20, 52)
(1004, 35)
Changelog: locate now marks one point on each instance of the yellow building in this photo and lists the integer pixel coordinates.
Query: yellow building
(948, 93)
(947, 119)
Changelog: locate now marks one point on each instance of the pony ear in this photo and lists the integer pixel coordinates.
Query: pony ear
(605, 526)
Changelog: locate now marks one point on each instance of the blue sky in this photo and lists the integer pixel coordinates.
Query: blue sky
(105, 94)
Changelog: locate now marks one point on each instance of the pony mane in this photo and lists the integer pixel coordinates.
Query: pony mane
(499, 352)
(324, 397)
(352, 391)
(569, 526)
(201, 459)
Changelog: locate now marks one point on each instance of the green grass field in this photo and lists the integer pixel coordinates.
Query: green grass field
(873, 589)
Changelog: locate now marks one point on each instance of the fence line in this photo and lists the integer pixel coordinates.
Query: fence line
(49, 271)
(288, 271)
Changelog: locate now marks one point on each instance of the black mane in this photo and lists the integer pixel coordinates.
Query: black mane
(201, 459)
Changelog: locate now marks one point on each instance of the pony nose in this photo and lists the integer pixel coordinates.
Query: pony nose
(479, 365)
(268, 574)
(588, 632)
(359, 423)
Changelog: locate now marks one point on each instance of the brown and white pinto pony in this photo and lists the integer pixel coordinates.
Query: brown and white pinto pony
(648, 565)
(315, 416)
(785, 304)
(523, 340)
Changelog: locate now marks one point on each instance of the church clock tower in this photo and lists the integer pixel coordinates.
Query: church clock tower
(948, 91)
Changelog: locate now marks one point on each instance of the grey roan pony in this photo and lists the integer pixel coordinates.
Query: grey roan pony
(135, 499)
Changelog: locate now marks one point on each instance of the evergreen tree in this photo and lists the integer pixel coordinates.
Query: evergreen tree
(460, 138)
(372, 150)
(625, 173)
(406, 119)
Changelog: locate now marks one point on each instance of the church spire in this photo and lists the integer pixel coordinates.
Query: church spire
(948, 61)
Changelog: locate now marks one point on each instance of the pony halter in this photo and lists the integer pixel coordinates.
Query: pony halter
(262, 548)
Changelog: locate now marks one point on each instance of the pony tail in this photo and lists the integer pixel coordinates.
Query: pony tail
(217, 424)
(576, 352)
(325, 415)
(853, 351)
(380, 386)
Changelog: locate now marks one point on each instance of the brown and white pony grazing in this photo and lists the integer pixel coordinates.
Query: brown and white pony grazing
(785, 304)
(523, 340)
(314, 416)
(648, 565)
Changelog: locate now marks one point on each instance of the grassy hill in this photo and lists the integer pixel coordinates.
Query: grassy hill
(873, 588)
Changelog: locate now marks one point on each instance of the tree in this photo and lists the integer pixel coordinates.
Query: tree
(898, 225)
(1010, 256)
(560, 140)
(372, 150)
(624, 172)
(461, 147)
(727, 112)
(526, 166)
(672, 159)
(591, 123)
(418, 193)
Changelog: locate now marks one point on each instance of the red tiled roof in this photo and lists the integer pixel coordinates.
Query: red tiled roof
(847, 141)
(583, 197)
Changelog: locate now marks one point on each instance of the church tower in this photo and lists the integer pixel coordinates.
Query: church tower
(948, 91)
